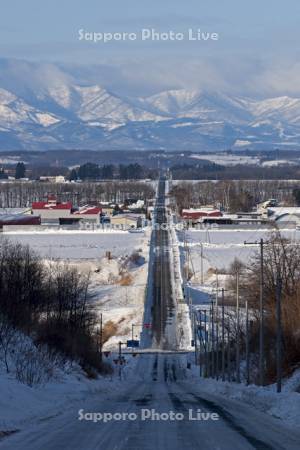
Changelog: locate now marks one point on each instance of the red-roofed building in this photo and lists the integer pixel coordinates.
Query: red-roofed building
(63, 213)
(88, 214)
(88, 210)
(18, 220)
(52, 210)
(198, 214)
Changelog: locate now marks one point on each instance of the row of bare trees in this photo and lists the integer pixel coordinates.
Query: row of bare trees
(281, 260)
(22, 194)
(233, 196)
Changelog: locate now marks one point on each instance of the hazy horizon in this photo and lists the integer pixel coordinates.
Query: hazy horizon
(256, 53)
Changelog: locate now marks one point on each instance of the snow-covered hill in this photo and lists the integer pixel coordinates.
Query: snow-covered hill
(14, 111)
(63, 114)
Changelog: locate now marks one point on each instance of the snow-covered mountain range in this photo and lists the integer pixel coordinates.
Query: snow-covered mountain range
(66, 115)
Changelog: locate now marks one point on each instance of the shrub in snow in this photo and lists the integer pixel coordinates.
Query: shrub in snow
(8, 337)
(33, 365)
(136, 259)
(109, 271)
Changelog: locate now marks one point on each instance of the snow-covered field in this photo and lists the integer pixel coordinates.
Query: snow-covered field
(235, 236)
(79, 245)
(221, 247)
(229, 160)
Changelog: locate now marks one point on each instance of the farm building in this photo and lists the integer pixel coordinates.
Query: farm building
(107, 208)
(54, 179)
(198, 214)
(126, 221)
(18, 219)
(56, 212)
(285, 215)
(86, 214)
(52, 210)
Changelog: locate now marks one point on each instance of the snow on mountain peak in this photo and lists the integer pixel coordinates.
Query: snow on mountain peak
(97, 103)
(178, 118)
(6, 97)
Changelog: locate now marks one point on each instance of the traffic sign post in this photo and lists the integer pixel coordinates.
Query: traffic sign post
(132, 343)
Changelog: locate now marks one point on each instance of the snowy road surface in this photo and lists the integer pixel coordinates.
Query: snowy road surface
(160, 384)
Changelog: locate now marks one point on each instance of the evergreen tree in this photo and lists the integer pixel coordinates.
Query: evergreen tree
(3, 175)
(20, 170)
(107, 172)
(89, 171)
(73, 175)
(296, 195)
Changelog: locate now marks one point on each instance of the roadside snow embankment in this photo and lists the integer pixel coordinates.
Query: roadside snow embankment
(184, 328)
(284, 406)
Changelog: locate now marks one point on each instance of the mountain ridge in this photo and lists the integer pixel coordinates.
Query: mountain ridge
(67, 115)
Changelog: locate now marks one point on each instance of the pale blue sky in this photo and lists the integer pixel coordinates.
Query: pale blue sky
(33, 22)
(258, 39)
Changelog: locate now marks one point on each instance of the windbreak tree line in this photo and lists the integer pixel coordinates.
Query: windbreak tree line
(21, 195)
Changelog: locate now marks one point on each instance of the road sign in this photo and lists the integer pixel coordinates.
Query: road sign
(133, 344)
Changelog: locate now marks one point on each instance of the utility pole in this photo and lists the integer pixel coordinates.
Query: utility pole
(132, 334)
(184, 252)
(195, 323)
(261, 315)
(101, 335)
(261, 244)
(247, 345)
(205, 345)
(212, 341)
(199, 329)
(238, 368)
(223, 337)
(190, 300)
(187, 261)
(228, 353)
(217, 332)
(202, 276)
(279, 333)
